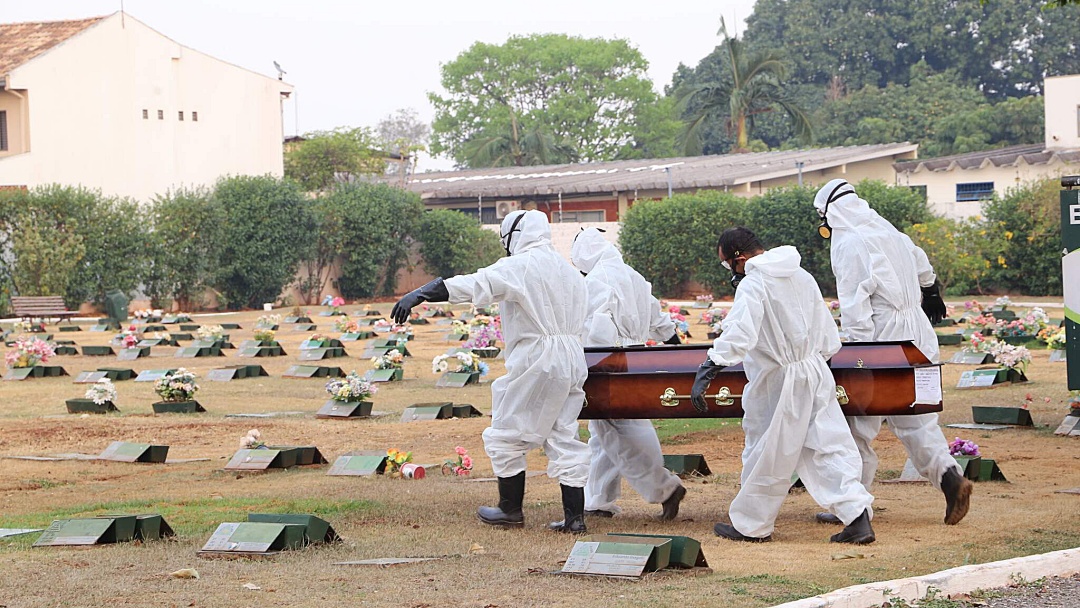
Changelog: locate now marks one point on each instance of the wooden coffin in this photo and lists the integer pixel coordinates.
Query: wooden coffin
(873, 379)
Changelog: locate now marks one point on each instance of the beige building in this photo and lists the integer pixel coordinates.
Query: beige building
(957, 185)
(110, 103)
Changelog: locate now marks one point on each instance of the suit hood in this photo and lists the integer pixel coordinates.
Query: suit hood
(590, 247)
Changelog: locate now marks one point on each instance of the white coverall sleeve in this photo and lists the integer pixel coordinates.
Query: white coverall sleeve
(855, 283)
(600, 328)
(500, 282)
(927, 276)
(829, 336)
(661, 327)
(742, 326)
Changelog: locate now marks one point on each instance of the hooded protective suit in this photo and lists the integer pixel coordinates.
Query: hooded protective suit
(782, 332)
(621, 312)
(542, 302)
(879, 272)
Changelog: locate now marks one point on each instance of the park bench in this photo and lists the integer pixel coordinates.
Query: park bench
(41, 307)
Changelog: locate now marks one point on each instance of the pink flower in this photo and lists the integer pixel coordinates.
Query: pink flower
(466, 461)
(459, 450)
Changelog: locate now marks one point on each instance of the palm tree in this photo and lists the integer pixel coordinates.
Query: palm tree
(517, 147)
(754, 86)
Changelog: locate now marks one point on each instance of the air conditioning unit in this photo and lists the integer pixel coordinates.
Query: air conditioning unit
(505, 208)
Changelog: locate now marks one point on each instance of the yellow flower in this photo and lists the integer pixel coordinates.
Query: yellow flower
(1008, 235)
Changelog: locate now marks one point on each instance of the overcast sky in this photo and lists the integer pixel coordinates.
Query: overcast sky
(354, 62)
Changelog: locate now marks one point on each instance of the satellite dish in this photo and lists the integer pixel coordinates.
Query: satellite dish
(280, 72)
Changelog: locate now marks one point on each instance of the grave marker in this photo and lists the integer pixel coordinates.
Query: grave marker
(122, 451)
(687, 465)
(359, 465)
(88, 531)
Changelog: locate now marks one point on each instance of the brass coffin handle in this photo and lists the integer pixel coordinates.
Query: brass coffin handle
(841, 395)
(723, 397)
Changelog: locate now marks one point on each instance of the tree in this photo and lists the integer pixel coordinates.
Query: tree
(47, 254)
(188, 228)
(266, 229)
(404, 134)
(451, 243)
(752, 85)
(1029, 217)
(585, 93)
(323, 157)
(1002, 48)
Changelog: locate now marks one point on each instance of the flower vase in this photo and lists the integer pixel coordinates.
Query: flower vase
(344, 409)
(487, 352)
(87, 406)
(971, 465)
(178, 407)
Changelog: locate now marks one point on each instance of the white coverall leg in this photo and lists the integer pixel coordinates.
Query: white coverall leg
(632, 444)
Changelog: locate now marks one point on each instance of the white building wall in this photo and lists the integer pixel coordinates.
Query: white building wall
(1062, 99)
(86, 123)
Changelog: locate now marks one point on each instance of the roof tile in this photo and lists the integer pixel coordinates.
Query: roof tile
(21, 42)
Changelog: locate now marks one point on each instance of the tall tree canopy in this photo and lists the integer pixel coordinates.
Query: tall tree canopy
(546, 98)
(1002, 47)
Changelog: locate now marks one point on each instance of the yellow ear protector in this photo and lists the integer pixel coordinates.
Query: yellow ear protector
(824, 230)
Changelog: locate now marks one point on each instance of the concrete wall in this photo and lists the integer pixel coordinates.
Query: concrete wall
(86, 115)
(1062, 100)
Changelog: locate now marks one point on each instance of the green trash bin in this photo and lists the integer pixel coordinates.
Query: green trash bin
(116, 307)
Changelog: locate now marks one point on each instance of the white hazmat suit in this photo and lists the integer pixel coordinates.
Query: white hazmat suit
(879, 275)
(621, 312)
(782, 332)
(542, 302)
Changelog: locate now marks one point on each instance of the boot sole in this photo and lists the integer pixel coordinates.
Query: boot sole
(676, 498)
(502, 524)
(861, 540)
(963, 501)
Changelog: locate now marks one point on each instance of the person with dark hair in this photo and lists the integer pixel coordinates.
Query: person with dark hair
(780, 329)
(623, 312)
(888, 291)
(537, 402)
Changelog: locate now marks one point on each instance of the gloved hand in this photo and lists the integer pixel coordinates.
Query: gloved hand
(705, 374)
(434, 291)
(674, 339)
(932, 304)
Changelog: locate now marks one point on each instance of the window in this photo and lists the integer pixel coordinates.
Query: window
(920, 191)
(194, 116)
(577, 216)
(161, 114)
(976, 191)
(145, 114)
(3, 131)
(181, 115)
(1078, 121)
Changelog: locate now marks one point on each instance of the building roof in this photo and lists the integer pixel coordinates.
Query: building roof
(21, 42)
(1033, 154)
(689, 173)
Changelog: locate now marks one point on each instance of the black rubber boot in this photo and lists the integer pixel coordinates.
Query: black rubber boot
(957, 490)
(573, 506)
(671, 504)
(828, 518)
(857, 532)
(508, 513)
(729, 532)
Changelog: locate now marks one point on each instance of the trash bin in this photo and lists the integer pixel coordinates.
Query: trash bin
(116, 307)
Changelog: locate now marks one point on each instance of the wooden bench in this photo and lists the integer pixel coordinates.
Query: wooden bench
(41, 307)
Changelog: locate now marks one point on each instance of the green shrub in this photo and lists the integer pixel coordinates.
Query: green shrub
(187, 240)
(266, 230)
(451, 243)
(1029, 219)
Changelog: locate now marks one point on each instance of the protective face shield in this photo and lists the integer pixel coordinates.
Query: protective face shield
(824, 230)
(507, 237)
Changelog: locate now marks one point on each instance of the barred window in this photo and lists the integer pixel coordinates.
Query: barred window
(975, 191)
(3, 131)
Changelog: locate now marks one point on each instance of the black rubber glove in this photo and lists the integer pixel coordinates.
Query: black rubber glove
(434, 291)
(932, 304)
(674, 339)
(705, 374)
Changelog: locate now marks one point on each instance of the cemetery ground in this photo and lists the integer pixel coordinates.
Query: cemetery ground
(483, 566)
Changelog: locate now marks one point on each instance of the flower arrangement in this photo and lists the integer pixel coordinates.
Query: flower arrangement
(1074, 400)
(1003, 302)
(346, 325)
(28, 352)
(130, 337)
(682, 326)
(101, 392)
(336, 303)
(252, 441)
(436, 311)
(713, 315)
(985, 324)
(1053, 337)
(1030, 324)
(704, 298)
(1012, 357)
(350, 388)
(963, 447)
(460, 466)
(834, 306)
(177, 385)
(466, 362)
(973, 308)
(163, 335)
(147, 313)
(395, 458)
(268, 320)
(393, 359)
(298, 312)
(265, 335)
(484, 332)
(211, 333)
(317, 338)
(980, 344)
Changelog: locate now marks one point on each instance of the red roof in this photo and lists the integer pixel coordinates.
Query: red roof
(21, 42)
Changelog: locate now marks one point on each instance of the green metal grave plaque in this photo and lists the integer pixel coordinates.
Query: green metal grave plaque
(344, 409)
(457, 379)
(359, 465)
(118, 374)
(262, 459)
(89, 377)
(383, 375)
(152, 375)
(97, 351)
(686, 465)
(963, 358)
(88, 531)
(177, 407)
(122, 451)
(427, 411)
(255, 538)
(87, 406)
(316, 530)
(1001, 415)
